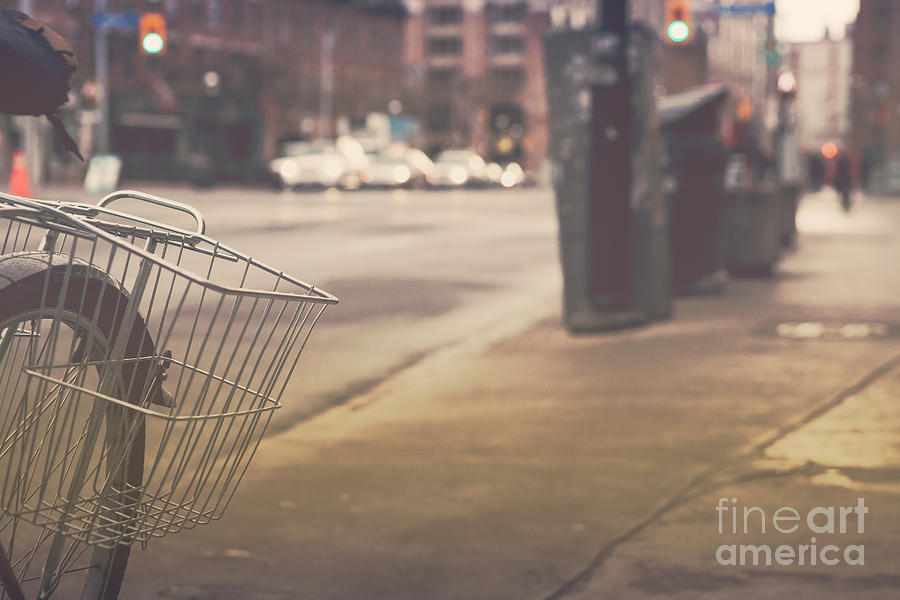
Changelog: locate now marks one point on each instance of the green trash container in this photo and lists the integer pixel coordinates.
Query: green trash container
(628, 283)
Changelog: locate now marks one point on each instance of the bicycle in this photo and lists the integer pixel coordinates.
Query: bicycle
(133, 390)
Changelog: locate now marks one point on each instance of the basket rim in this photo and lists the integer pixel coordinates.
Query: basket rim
(42, 208)
(269, 403)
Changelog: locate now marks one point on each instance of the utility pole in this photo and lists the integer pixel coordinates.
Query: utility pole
(29, 127)
(101, 72)
(326, 80)
(610, 281)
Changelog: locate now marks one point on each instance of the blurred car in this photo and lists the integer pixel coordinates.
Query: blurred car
(457, 168)
(398, 166)
(507, 176)
(321, 164)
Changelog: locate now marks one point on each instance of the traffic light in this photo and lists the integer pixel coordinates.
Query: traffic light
(678, 21)
(152, 28)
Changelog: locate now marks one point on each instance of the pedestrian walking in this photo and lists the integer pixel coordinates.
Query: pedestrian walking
(843, 180)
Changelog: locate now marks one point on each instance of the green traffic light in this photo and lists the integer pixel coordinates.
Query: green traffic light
(152, 43)
(678, 31)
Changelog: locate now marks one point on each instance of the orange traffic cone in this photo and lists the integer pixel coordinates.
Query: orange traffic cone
(19, 184)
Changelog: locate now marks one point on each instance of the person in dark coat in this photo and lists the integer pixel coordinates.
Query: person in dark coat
(843, 179)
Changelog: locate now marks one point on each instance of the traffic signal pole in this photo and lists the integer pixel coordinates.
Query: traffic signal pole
(101, 72)
(31, 139)
(613, 15)
(610, 247)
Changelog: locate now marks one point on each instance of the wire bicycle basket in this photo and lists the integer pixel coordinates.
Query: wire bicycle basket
(140, 365)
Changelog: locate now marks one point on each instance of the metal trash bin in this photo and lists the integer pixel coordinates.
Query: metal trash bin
(638, 289)
(754, 229)
(689, 123)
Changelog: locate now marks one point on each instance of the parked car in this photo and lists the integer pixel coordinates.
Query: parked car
(321, 164)
(457, 168)
(398, 166)
(507, 176)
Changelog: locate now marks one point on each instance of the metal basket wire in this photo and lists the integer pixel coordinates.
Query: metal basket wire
(139, 367)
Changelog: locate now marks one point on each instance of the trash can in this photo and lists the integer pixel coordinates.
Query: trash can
(689, 122)
(627, 282)
(787, 208)
(755, 229)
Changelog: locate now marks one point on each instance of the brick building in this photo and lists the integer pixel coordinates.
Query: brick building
(237, 77)
(477, 72)
(875, 92)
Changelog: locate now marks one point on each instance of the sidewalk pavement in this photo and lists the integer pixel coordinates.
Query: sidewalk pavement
(534, 464)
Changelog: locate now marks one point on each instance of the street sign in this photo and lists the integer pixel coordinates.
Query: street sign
(746, 9)
(110, 20)
(767, 8)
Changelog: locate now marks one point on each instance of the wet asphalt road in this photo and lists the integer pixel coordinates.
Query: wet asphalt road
(415, 270)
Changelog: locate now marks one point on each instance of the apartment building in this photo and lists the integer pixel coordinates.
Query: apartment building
(478, 75)
(875, 92)
(237, 77)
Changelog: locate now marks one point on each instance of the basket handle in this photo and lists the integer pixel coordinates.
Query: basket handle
(159, 201)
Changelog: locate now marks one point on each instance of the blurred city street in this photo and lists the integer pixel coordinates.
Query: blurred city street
(604, 295)
(489, 454)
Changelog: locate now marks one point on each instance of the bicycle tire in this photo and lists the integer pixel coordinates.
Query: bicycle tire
(31, 284)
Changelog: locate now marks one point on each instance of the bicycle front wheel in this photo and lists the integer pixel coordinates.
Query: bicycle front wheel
(73, 464)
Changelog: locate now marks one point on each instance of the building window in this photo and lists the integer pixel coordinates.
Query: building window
(198, 11)
(445, 46)
(445, 15)
(214, 14)
(507, 77)
(508, 44)
(510, 13)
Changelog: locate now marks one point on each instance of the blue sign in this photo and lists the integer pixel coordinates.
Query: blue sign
(109, 20)
(746, 9)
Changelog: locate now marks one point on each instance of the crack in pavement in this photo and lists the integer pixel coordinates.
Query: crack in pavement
(346, 395)
(704, 481)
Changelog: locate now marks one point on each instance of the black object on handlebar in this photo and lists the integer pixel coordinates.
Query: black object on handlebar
(35, 66)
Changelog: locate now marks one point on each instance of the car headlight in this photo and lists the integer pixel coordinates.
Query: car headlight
(288, 169)
(458, 175)
(401, 174)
